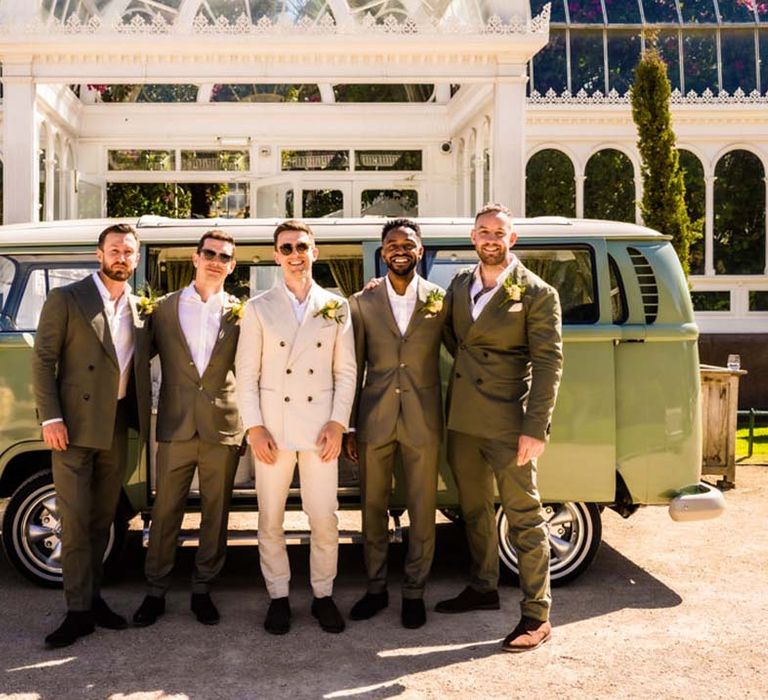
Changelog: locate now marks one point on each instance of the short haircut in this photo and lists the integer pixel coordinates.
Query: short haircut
(218, 235)
(392, 224)
(493, 208)
(121, 229)
(293, 225)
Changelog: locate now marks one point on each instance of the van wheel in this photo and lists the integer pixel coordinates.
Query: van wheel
(575, 531)
(31, 532)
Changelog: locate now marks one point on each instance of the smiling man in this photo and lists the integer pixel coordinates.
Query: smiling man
(195, 332)
(295, 386)
(398, 331)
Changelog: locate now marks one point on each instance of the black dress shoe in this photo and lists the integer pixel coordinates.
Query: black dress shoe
(104, 616)
(204, 609)
(150, 609)
(328, 615)
(76, 624)
(369, 605)
(469, 599)
(413, 613)
(278, 619)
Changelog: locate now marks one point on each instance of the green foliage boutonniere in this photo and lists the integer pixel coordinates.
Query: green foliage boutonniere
(433, 304)
(146, 301)
(514, 291)
(330, 311)
(235, 309)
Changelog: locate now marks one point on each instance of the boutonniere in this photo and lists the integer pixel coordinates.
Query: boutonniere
(146, 301)
(235, 309)
(433, 304)
(330, 311)
(513, 291)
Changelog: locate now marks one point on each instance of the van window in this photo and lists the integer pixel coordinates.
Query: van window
(7, 272)
(619, 308)
(569, 270)
(39, 282)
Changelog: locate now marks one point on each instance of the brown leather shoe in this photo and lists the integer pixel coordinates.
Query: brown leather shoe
(529, 634)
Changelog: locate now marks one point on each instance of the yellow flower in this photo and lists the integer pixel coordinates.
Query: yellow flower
(330, 311)
(146, 301)
(514, 291)
(235, 309)
(433, 304)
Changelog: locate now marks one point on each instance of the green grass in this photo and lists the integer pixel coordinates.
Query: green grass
(759, 442)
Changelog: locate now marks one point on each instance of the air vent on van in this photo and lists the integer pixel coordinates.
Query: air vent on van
(648, 287)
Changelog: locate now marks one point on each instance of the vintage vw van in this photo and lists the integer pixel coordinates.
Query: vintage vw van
(626, 431)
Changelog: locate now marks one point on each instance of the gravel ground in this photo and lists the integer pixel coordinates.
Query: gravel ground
(668, 609)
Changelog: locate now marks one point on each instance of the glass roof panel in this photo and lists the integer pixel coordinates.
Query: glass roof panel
(700, 61)
(660, 11)
(550, 64)
(761, 7)
(698, 11)
(737, 10)
(623, 55)
(383, 92)
(586, 12)
(668, 44)
(763, 41)
(622, 11)
(737, 48)
(557, 11)
(587, 61)
(265, 93)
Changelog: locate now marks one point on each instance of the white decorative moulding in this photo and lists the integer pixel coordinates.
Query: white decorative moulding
(582, 97)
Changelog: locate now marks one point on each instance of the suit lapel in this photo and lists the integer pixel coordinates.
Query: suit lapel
(381, 300)
(226, 325)
(176, 321)
(91, 304)
(498, 305)
(418, 310)
(462, 309)
(307, 329)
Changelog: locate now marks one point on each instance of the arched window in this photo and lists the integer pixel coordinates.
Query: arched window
(550, 188)
(739, 226)
(609, 188)
(693, 174)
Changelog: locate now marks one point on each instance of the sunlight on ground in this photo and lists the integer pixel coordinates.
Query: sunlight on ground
(421, 651)
(42, 664)
(20, 696)
(759, 443)
(148, 695)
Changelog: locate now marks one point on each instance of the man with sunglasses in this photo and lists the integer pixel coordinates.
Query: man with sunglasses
(296, 375)
(195, 332)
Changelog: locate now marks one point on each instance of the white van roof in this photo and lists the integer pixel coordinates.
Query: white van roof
(160, 229)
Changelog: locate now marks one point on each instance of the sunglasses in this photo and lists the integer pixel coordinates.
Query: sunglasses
(210, 255)
(287, 248)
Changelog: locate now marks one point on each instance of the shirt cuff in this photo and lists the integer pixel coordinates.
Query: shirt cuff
(52, 420)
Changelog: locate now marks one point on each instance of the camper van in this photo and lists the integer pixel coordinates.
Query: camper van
(626, 431)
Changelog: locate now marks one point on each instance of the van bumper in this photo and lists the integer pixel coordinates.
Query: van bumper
(697, 502)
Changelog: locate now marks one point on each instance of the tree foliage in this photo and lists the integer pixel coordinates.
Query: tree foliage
(550, 188)
(609, 187)
(663, 204)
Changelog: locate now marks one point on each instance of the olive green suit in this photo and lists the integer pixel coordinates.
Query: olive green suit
(198, 427)
(506, 371)
(76, 377)
(398, 409)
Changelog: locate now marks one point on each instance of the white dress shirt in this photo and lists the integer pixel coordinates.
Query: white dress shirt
(120, 322)
(402, 305)
(299, 307)
(485, 294)
(200, 322)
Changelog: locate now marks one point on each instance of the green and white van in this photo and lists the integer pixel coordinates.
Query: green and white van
(626, 431)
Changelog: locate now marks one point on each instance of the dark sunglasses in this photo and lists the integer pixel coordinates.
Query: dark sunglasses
(287, 248)
(209, 255)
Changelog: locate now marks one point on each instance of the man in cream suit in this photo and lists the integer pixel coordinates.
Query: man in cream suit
(91, 380)
(503, 330)
(398, 332)
(295, 387)
(195, 332)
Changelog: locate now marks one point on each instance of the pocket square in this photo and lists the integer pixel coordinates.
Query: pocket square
(515, 307)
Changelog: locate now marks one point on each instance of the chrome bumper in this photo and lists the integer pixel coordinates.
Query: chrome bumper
(697, 502)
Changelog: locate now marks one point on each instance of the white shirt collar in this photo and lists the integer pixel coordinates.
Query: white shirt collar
(504, 273)
(293, 297)
(215, 300)
(410, 290)
(105, 295)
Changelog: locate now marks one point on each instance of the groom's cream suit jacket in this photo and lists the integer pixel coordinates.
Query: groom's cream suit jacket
(294, 377)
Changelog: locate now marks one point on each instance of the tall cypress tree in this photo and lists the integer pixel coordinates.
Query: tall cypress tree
(663, 203)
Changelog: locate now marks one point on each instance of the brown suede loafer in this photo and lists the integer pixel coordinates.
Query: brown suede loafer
(529, 634)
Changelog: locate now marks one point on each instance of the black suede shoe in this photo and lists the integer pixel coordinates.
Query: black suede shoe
(328, 615)
(278, 619)
(369, 605)
(413, 613)
(469, 599)
(104, 616)
(204, 609)
(76, 624)
(152, 607)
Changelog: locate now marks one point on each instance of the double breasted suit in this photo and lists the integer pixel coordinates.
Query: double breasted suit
(503, 384)
(198, 428)
(76, 377)
(293, 377)
(398, 410)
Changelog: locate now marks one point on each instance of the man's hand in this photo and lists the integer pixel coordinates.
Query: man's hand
(262, 444)
(373, 283)
(350, 447)
(529, 448)
(329, 441)
(55, 435)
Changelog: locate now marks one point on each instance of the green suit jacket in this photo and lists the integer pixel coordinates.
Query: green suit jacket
(75, 367)
(397, 373)
(191, 404)
(508, 362)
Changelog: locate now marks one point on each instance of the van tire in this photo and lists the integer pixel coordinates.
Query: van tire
(32, 508)
(575, 532)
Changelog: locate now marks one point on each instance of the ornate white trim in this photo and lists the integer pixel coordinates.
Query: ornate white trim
(582, 97)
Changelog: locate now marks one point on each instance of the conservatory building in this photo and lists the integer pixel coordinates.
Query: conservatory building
(313, 108)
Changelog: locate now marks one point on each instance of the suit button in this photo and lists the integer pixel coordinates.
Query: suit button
(309, 398)
(458, 376)
(462, 347)
(86, 397)
(319, 344)
(288, 371)
(397, 391)
(191, 364)
(311, 371)
(91, 368)
(479, 381)
(200, 388)
(287, 399)
(282, 343)
(402, 365)
(485, 354)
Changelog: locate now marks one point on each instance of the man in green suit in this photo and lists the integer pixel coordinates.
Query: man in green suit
(504, 331)
(398, 332)
(195, 332)
(91, 380)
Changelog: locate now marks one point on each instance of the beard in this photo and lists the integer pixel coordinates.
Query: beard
(403, 271)
(117, 274)
(493, 259)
